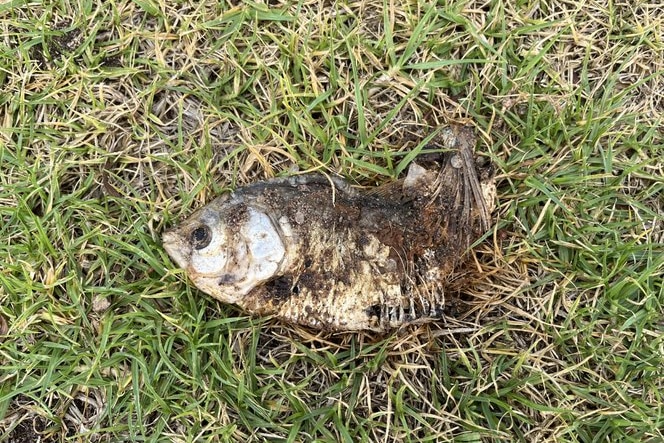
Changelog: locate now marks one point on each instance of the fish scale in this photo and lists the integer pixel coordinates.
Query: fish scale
(315, 251)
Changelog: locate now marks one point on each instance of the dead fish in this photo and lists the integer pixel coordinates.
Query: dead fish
(316, 251)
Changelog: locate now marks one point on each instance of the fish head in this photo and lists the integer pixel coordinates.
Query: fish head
(228, 248)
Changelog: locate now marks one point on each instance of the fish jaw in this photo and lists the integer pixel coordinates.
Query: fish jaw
(177, 248)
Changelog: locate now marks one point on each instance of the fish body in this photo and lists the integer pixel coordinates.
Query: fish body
(315, 251)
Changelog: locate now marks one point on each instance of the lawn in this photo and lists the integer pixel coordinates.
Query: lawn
(119, 118)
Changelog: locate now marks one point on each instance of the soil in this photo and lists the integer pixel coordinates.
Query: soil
(30, 430)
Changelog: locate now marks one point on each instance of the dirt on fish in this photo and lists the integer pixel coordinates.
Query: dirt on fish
(316, 251)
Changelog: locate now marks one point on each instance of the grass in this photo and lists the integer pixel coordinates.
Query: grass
(118, 119)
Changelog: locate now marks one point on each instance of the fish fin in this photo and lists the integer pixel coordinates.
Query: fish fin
(473, 195)
(392, 191)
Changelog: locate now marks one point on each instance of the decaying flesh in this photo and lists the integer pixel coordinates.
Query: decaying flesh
(315, 251)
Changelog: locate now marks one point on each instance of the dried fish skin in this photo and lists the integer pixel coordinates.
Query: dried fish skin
(315, 251)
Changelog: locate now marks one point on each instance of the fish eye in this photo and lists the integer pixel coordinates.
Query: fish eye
(201, 237)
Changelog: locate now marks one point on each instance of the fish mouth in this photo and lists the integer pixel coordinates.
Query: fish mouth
(176, 248)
